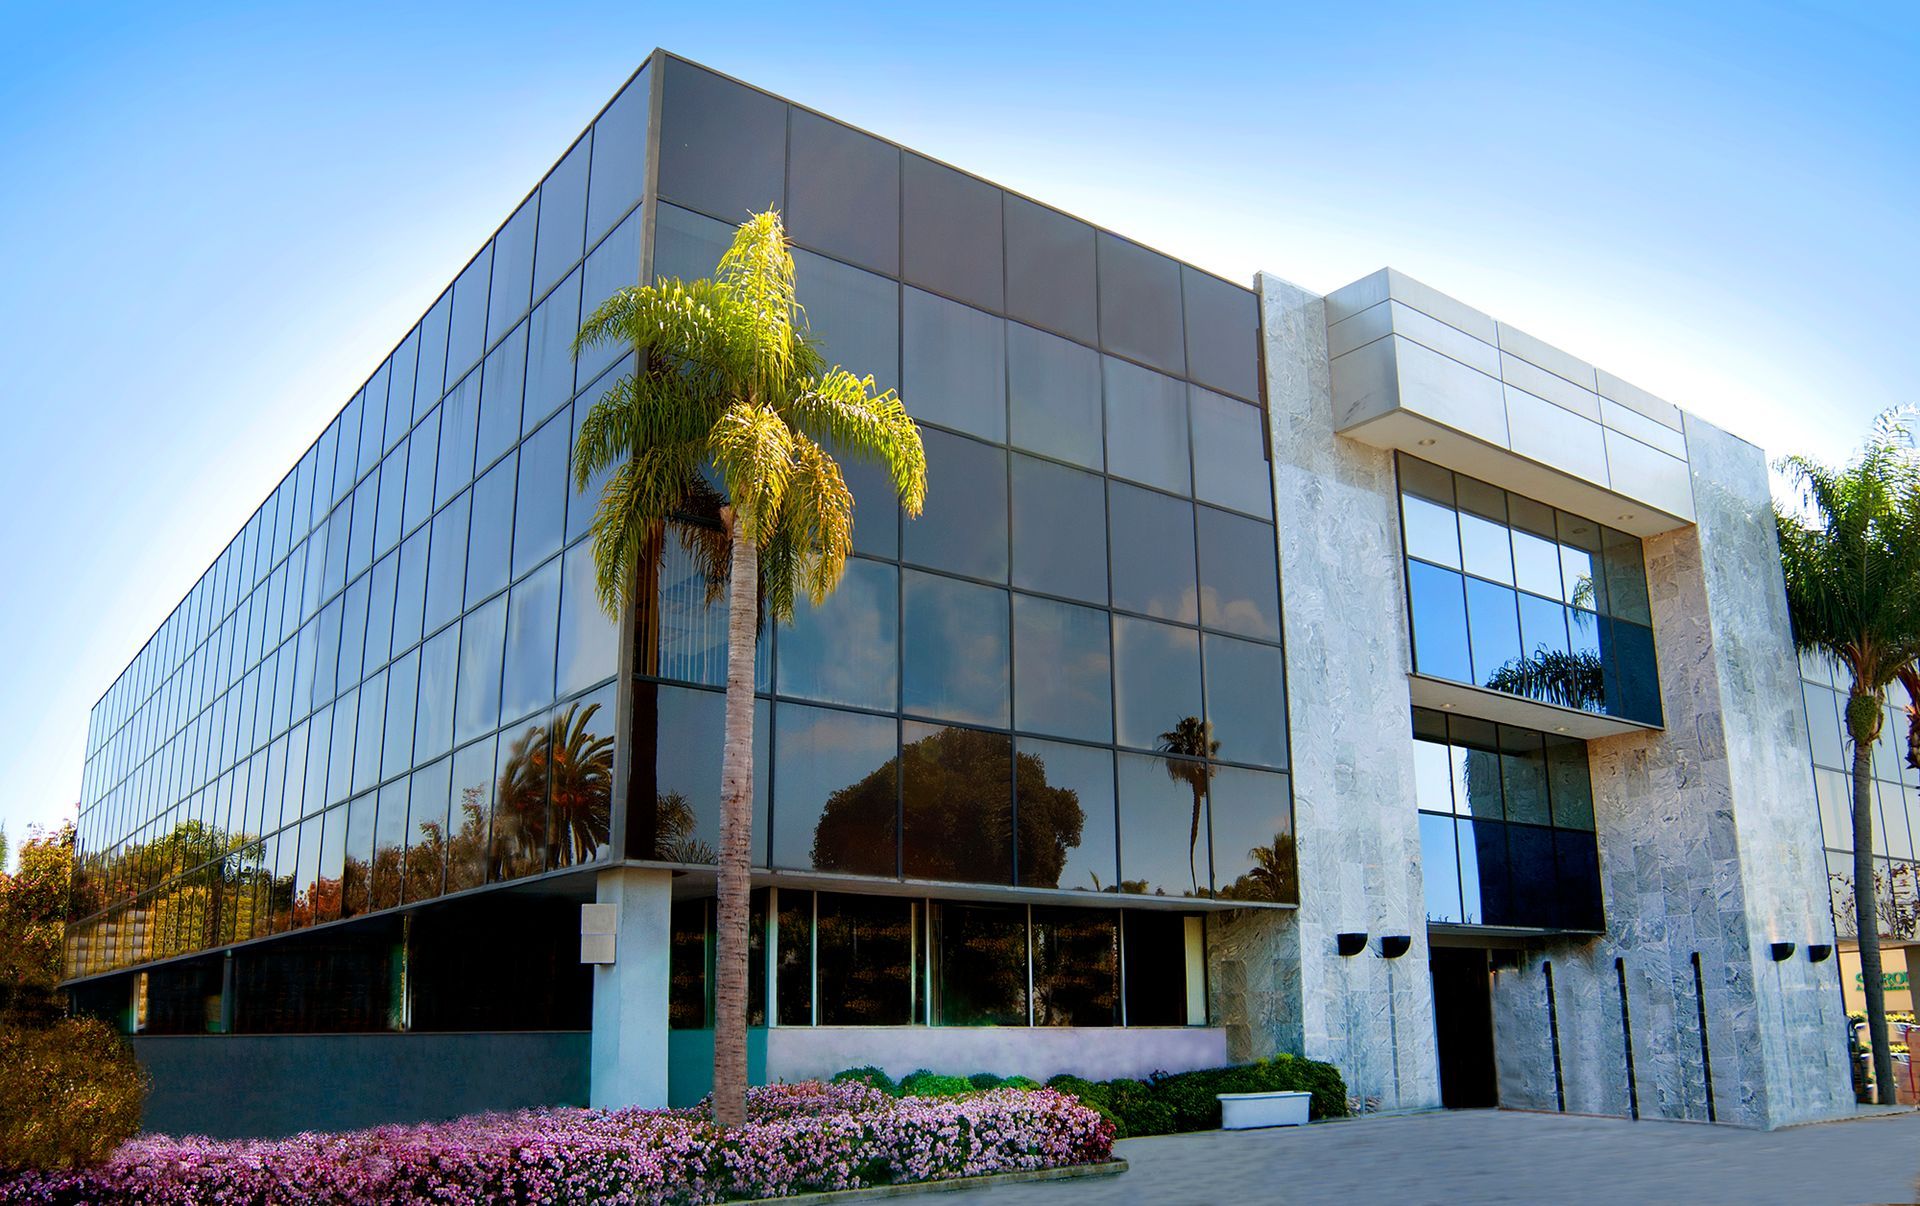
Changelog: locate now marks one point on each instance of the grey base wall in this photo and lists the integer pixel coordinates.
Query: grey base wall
(250, 1086)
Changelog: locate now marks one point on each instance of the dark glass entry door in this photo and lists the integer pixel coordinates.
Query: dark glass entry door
(1463, 1019)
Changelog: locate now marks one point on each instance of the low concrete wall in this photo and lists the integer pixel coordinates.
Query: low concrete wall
(1098, 1053)
(247, 1085)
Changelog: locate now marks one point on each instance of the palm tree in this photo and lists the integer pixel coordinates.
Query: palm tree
(728, 384)
(1190, 738)
(1852, 568)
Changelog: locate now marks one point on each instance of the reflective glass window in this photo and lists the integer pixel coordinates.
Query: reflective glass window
(1484, 882)
(389, 845)
(381, 585)
(1223, 333)
(501, 382)
(521, 821)
(1523, 775)
(403, 686)
(1050, 270)
(1059, 530)
(469, 848)
(610, 267)
(1476, 768)
(372, 728)
(1153, 553)
(1485, 548)
(1076, 967)
(1580, 574)
(964, 525)
(1065, 802)
(1230, 465)
(1440, 868)
(1568, 783)
(540, 509)
(853, 316)
(876, 509)
(1438, 603)
(1246, 701)
(477, 700)
(410, 590)
(1250, 817)
(550, 351)
(1536, 554)
(467, 328)
(581, 504)
(1626, 576)
(619, 157)
(1493, 631)
(980, 974)
(688, 246)
(1140, 307)
(588, 643)
(429, 378)
(835, 790)
(562, 218)
(955, 642)
(423, 450)
(580, 756)
(956, 804)
(722, 145)
(1239, 574)
(863, 950)
(353, 632)
(1062, 670)
(953, 360)
(843, 192)
(1426, 513)
(1163, 827)
(447, 564)
(1146, 416)
(1156, 681)
(533, 611)
(459, 425)
(950, 233)
(512, 269)
(847, 649)
(490, 533)
(1053, 396)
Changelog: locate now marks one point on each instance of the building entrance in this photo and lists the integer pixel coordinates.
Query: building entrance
(1463, 1022)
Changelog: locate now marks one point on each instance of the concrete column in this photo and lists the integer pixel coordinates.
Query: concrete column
(629, 1059)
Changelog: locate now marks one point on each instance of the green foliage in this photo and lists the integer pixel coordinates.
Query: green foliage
(70, 1094)
(1186, 1101)
(870, 1076)
(923, 1083)
(33, 914)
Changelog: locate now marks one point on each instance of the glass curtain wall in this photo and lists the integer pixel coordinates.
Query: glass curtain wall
(1513, 595)
(395, 682)
(1067, 672)
(1506, 825)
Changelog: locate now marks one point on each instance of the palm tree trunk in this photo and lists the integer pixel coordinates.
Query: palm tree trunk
(1863, 726)
(736, 826)
(1193, 841)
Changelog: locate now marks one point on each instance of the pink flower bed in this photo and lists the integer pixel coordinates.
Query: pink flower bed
(799, 1138)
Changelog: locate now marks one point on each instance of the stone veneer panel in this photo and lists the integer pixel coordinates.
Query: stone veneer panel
(1278, 982)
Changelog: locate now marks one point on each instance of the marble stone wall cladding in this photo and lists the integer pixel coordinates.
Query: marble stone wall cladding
(1400, 348)
(1358, 836)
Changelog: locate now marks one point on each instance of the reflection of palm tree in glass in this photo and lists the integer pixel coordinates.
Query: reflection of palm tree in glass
(674, 821)
(1571, 680)
(1191, 738)
(565, 764)
(1273, 876)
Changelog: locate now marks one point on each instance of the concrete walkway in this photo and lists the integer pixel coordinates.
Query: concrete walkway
(1473, 1156)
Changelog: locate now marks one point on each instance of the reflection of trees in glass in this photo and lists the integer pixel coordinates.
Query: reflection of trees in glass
(674, 822)
(855, 830)
(1897, 893)
(1190, 738)
(555, 793)
(1273, 877)
(1571, 680)
(192, 887)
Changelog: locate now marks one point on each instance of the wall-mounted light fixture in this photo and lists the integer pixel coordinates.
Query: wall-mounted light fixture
(1817, 952)
(1392, 946)
(1350, 945)
(1782, 951)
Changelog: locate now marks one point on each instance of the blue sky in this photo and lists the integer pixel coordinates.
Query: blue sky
(218, 218)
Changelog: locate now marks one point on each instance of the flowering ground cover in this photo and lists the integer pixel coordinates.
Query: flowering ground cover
(799, 1138)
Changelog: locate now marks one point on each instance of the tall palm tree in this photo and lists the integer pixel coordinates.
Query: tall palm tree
(1852, 568)
(728, 384)
(1187, 746)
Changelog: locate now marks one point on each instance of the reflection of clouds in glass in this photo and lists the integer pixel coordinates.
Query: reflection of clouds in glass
(846, 650)
(956, 650)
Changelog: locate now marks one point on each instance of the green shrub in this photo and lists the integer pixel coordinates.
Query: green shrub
(1188, 1101)
(70, 1093)
(1019, 1082)
(923, 1083)
(984, 1080)
(869, 1075)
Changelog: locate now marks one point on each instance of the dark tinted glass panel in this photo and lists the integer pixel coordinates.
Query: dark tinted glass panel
(793, 959)
(956, 650)
(1050, 270)
(1156, 680)
(1065, 800)
(687, 956)
(1160, 799)
(876, 509)
(1252, 827)
(1062, 670)
(532, 620)
(512, 269)
(1059, 530)
(1140, 312)
(563, 207)
(1223, 333)
(678, 775)
(490, 534)
(1485, 886)
(429, 379)
(550, 351)
(847, 649)
(501, 382)
(1440, 868)
(1493, 631)
(964, 525)
(588, 643)
(467, 331)
(834, 791)
(1153, 553)
(1577, 890)
(619, 157)
(1633, 661)
(957, 804)
(1439, 622)
(853, 315)
(683, 620)
(981, 973)
(953, 360)
(1531, 894)
(1155, 946)
(1146, 426)
(477, 701)
(1229, 454)
(688, 246)
(1569, 784)
(1589, 680)
(1246, 701)
(1476, 768)
(1581, 579)
(540, 508)
(864, 950)
(722, 146)
(844, 192)
(1239, 575)
(950, 233)
(1626, 574)
(1053, 396)
(1076, 967)
(1523, 774)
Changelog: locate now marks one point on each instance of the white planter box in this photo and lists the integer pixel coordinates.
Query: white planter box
(1245, 1111)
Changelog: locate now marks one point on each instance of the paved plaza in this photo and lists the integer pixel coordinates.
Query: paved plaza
(1473, 1156)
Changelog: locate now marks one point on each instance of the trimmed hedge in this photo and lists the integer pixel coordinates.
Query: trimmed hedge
(1163, 1104)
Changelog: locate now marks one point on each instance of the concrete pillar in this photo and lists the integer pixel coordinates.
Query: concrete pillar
(629, 1059)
